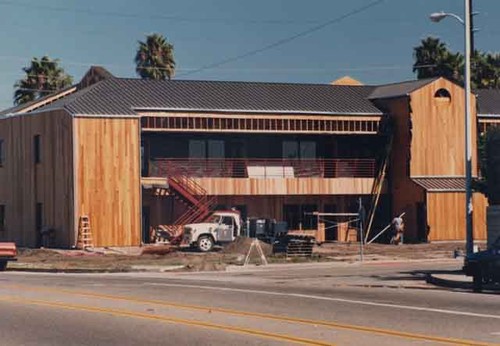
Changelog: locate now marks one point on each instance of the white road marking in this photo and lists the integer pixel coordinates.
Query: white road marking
(342, 300)
(495, 333)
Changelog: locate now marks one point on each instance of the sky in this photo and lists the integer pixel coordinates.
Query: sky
(374, 45)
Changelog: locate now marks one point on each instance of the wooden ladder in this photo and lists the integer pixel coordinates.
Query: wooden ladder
(84, 234)
(378, 183)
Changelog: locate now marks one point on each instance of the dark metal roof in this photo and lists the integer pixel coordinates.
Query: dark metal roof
(20, 108)
(437, 184)
(123, 96)
(399, 89)
(488, 101)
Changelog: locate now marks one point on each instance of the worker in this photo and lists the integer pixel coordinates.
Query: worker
(397, 230)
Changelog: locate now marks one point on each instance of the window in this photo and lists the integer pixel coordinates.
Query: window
(211, 148)
(36, 148)
(215, 149)
(442, 94)
(290, 150)
(197, 149)
(307, 150)
(2, 217)
(299, 150)
(227, 220)
(38, 223)
(1, 153)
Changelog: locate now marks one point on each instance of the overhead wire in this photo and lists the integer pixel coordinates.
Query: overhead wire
(286, 39)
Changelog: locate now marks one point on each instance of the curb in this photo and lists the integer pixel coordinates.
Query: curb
(68, 271)
(429, 278)
(90, 270)
(457, 284)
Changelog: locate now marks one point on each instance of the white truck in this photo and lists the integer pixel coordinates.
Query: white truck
(221, 227)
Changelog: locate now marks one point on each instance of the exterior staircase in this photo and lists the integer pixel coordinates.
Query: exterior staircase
(186, 191)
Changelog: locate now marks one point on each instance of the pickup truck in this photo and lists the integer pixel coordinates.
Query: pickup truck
(221, 227)
(484, 266)
(8, 252)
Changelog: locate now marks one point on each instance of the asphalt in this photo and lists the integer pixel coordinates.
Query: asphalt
(440, 278)
(325, 303)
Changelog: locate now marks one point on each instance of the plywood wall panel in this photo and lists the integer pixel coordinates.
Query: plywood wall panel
(286, 186)
(49, 182)
(108, 179)
(446, 216)
(438, 131)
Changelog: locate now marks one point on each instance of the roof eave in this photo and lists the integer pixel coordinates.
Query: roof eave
(248, 111)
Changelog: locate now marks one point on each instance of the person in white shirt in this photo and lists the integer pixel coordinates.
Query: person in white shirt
(398, 230)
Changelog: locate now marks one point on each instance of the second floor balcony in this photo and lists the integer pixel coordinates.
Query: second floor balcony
(284, 177)
(263, 168)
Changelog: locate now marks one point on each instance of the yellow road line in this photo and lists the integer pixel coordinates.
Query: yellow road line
(372, 330)
(127, 313)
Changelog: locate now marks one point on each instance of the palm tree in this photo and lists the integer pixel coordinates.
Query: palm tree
(486, 70)
(43, 76)
(432, 58)
(155, 58)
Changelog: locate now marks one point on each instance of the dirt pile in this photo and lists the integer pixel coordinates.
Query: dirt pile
(157, 249)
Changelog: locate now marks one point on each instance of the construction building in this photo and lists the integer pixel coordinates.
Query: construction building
(132, 154)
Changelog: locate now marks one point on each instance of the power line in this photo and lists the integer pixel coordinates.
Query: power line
(156, 16)
(287, 39)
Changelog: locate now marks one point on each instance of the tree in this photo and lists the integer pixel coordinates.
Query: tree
(155, 58)
(486, 70)
(432, 59)
(43, 77)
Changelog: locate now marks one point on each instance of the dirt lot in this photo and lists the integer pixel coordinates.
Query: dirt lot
(166, 258)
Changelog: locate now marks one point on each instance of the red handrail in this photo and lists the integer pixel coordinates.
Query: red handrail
(260, 168)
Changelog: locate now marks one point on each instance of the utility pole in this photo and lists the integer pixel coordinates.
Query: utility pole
(468, 131)
(471, 19)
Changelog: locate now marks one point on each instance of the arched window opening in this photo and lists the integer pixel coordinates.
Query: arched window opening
(442, 94)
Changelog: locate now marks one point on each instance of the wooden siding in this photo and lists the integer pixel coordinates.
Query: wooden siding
(438, 135)
(108, 178)
(286, 186)
(446, 216)
(405, 193)
(26, 183)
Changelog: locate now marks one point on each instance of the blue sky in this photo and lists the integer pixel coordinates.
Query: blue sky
(374, 46)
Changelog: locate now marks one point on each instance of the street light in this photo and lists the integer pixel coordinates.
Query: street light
(436, 17)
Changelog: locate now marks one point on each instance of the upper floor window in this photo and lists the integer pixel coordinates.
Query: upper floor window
(299, 149)
(211, 149)
(1, 152)
(442, 94)
(2, 217)
(37, 149)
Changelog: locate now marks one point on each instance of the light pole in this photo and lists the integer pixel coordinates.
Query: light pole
(436, 17)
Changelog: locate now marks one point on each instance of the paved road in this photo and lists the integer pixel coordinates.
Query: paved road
(342, 304)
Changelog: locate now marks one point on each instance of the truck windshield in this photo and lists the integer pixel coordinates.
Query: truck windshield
(214, 219)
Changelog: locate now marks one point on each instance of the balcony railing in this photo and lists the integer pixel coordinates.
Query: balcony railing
(264, 168)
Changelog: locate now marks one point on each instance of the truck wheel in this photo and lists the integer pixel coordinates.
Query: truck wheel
(205, 243)
(3, 265)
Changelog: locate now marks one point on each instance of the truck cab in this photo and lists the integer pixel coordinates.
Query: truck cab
(221, 227)
(484, 266)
